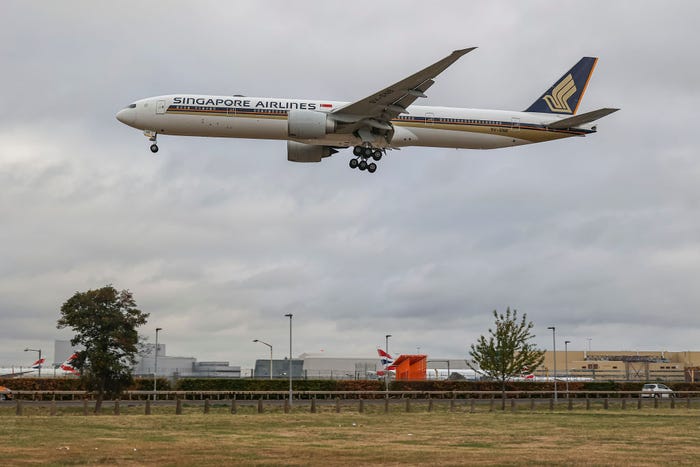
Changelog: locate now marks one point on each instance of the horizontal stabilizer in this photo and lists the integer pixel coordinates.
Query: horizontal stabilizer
(580, 119)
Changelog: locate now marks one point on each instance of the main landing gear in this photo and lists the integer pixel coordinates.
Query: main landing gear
(362, 154)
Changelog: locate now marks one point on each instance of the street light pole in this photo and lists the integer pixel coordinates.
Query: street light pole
(386, 368)
(566, 360)
(270, 346)
(155, 366)
(40, 362)
(289, 315)
(554, 351)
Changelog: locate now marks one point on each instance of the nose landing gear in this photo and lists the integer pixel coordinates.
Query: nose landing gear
(152, 137)
(362, 155)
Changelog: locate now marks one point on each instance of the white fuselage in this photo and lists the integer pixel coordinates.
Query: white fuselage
(266, 118)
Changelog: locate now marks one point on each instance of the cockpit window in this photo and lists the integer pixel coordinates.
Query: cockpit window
(131, 106)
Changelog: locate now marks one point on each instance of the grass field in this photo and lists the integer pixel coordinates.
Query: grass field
(612, 437)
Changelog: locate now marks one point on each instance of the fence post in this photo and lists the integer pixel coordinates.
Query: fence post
(512, 405)
(606, 403)
(624, 403)
(178, 406)
(588, 402)
(430, 404)
(286, 406)
(362, 405)
(493, 401)
(688, 402)
(570, 404)
(551, 404)
(53, 406)
(452, 404)
(337, 405)
(408, 405)
(639, 402)
(234, 405)
(386, 405)
(206, 405)
(656, 402)
(147, 410)
(117, 407)
(673, 402)
(18, 409)
(85, 406)
(313, 404)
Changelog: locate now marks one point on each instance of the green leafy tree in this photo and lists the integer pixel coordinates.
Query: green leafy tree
(105, 322)
(507, 352)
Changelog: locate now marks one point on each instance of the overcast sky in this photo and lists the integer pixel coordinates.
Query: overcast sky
(218, 238)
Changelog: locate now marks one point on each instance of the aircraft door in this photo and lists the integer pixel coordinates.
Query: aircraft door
(429, 118)
(515, 123)
(160, 107)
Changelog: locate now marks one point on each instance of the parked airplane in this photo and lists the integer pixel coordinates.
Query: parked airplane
(385, 120)
(443, 373)
(22, 371)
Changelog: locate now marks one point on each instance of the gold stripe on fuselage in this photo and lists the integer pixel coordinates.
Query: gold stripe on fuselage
(527, 132)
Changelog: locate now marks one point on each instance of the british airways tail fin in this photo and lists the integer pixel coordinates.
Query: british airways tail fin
(385, 359)
(565, 95)
(38, 364)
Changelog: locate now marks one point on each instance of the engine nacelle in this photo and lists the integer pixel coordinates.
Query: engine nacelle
(308, 124)
(300, 152)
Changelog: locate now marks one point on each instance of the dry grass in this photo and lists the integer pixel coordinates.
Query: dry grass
(614, 437)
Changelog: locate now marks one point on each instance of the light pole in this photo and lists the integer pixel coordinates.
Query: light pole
(386, 368)
(566, 361)
(155, 366)
(289, 315)
(265, 343)
(554, 351)
(40, 362)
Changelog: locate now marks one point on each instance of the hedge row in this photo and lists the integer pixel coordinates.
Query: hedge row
(245, 384)
(73, 384)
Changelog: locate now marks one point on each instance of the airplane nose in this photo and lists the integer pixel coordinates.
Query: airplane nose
(126, 116)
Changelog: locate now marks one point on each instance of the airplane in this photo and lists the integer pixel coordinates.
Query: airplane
(22, 371)
(443, 373)
(386, 120)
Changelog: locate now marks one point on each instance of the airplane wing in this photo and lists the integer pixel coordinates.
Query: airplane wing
(377, 110)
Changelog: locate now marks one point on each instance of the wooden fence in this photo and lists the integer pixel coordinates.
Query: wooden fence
(145, 402)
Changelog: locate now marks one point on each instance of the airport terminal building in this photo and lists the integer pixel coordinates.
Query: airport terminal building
(611, 365)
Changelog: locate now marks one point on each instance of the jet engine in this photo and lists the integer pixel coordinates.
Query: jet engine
(308, 124)
(300, 152)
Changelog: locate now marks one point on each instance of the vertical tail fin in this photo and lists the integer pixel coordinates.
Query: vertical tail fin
(68, 365)
(38, 364)
(565, 95)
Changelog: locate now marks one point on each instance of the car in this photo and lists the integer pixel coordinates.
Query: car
(657, 390)
(5, 393)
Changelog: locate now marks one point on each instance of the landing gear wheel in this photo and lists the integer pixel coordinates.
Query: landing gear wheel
(377, 156)
(367, 152)
(353, 163)
(357, 150)
(362, 165)
(372, 167)
(154, 148)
